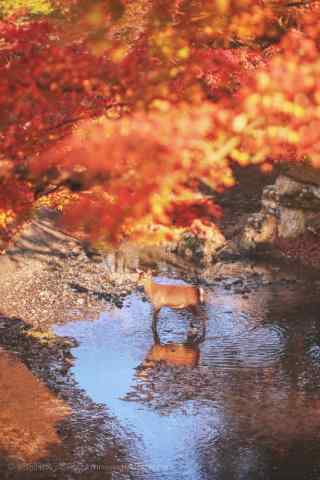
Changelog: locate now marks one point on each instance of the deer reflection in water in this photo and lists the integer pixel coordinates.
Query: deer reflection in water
(174, 354)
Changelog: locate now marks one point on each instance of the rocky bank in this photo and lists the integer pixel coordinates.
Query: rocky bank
(288, 222)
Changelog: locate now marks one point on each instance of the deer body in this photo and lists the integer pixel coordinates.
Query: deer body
(174, 296)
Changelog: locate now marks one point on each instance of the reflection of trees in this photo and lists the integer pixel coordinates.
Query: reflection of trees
(47, 422)
(29, 412)
(271, 414)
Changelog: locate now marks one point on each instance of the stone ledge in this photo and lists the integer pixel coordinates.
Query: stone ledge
(290, 213)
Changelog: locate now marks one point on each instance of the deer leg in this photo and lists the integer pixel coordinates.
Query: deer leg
(202, 336)
(198, 313)
(194, 310)
(204, 323)
(155, 325)
(192, 330)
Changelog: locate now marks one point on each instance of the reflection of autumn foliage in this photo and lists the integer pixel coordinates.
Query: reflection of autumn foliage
(181, 88)
(29, 413)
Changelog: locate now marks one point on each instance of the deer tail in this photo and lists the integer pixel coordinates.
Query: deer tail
(201, 294)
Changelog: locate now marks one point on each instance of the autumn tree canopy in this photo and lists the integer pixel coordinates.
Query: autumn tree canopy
(130, 103)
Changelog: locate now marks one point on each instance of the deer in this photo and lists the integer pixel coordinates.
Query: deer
(173, 296)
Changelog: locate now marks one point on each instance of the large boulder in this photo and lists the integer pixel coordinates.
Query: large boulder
(260, 230)
(302, 173)
(292, 223)
(289, 209)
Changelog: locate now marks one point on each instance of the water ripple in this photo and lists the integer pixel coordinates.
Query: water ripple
(261, 347)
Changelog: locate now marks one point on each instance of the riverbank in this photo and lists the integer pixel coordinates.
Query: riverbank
(48, 277)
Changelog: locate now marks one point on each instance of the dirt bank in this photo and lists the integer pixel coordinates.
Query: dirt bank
(48, 276)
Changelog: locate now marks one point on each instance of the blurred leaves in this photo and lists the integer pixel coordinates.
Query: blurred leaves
(28, 7)
(128, 102)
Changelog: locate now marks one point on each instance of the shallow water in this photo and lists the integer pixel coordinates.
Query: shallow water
(242, 404)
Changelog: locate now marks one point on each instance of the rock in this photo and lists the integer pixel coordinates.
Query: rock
(201, 243)
(290, 209)
(270, 200)
(313, 224)
(287, 186)
(261, 229)
(308, 198)
(292, 223)
(229, 251)
(291, 194)
(303, 173)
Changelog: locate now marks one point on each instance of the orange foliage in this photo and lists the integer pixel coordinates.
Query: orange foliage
(182, 89)
(139, 166)
(183, 213)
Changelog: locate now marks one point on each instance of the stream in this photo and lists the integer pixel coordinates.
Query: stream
(239, 400)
